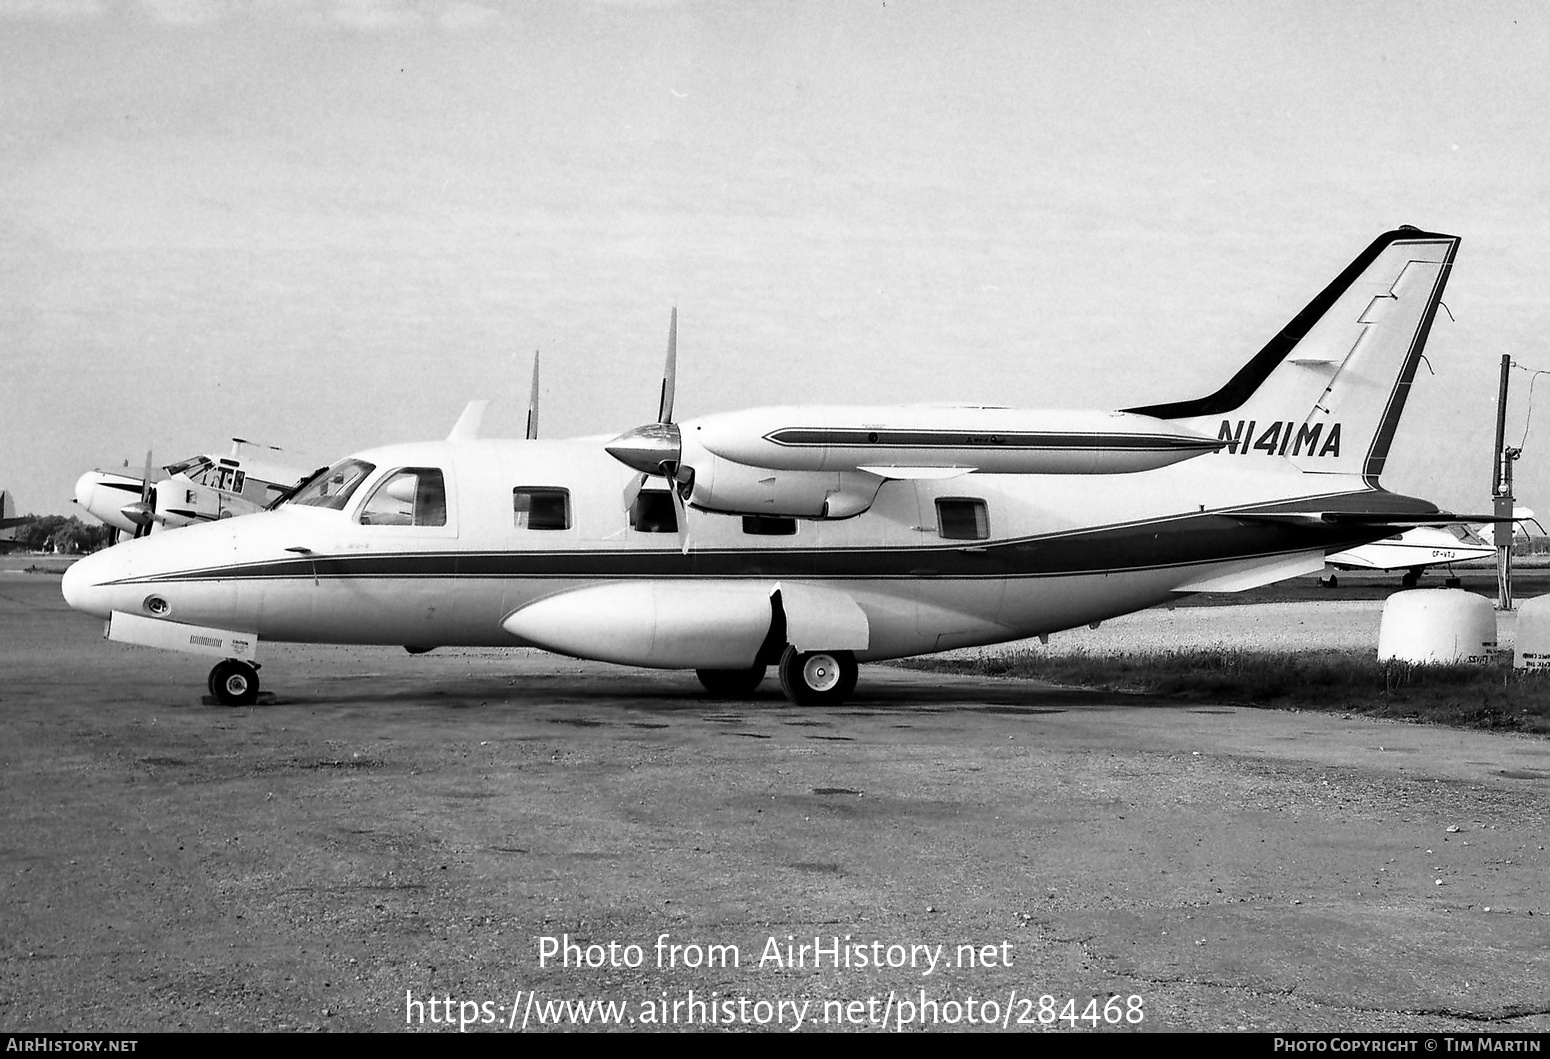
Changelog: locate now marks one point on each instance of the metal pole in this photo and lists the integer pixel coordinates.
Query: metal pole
(1501, 492)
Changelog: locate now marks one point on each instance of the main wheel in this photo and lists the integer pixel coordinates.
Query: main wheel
(731, 683)
(235, 683)
(818, 678)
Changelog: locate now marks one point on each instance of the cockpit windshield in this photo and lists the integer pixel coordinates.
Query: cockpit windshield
(192, 468)
(332, 488)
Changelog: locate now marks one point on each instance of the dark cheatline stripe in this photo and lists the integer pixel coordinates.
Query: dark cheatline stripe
(795, 437)
(1180, 540)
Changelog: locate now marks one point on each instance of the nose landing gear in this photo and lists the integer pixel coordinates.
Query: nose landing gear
(234, 682)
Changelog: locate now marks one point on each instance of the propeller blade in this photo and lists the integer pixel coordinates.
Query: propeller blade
(669, 372)
(632, 490)
(143, 513)
(532, 402)
(681, 515)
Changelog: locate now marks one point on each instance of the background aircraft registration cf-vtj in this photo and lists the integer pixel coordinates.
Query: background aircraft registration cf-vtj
(814, 538)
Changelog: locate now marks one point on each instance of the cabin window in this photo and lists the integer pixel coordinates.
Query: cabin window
(652, 512)
(769, 526)
(332, 488)
(540, 509)
(960, 519)
(414, 496)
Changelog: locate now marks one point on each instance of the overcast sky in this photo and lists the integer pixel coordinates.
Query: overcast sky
(327, 224)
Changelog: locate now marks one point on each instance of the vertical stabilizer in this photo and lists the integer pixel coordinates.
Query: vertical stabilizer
(1328, 390)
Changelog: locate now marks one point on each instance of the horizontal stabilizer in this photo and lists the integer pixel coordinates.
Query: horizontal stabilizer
(1363, 518)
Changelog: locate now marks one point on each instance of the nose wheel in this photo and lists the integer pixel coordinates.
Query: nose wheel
(818, 678)
(234, 683)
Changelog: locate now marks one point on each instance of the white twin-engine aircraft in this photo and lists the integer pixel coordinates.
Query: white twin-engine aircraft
(815, 538)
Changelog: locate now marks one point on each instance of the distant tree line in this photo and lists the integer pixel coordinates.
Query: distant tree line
(1534, 546)
(61, 533)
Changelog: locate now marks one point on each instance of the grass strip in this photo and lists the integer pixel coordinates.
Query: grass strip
(1494, 697)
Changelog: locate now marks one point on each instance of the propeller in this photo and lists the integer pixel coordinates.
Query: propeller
(143, 511)
(532, 402)
(656, 449)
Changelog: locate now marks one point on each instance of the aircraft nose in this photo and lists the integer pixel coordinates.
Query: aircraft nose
(83, 584)
(85, 489)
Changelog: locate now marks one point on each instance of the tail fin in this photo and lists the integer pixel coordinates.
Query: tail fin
(1327, 392)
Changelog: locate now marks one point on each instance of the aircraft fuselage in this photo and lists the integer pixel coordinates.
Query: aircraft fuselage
(1057, 552)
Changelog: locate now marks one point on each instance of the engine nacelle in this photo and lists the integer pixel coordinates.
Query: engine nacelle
(181, 501)
(732, 488)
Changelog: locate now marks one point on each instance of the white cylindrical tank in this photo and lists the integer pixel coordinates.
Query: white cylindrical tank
(1437, 625)
(1533, 639)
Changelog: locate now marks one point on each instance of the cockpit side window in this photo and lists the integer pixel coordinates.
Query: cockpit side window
(414, 496)
(228, 480)
(333, 487)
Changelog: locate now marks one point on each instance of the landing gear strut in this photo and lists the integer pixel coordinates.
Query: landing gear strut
(818, 678)
(234, 682)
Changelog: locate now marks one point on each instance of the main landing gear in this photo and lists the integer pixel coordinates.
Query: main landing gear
(731, 683)
(809, 678)
(234, 682)
(818, 678)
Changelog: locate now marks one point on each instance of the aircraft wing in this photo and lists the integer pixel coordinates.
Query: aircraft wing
(7, 523)
(712, 624)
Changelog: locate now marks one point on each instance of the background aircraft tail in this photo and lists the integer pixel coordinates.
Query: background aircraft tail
(1328, 390)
